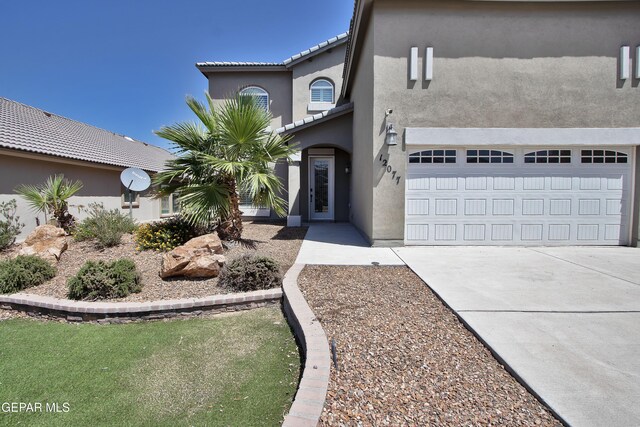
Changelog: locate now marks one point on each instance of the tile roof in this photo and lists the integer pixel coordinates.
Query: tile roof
(30, 129)
(337, 40)
(320, 47)
(237, 64)
(334, 112)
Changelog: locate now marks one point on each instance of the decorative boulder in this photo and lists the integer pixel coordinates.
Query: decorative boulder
(46, 241)
(199, 257)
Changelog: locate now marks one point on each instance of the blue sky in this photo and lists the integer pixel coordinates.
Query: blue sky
(126, 66)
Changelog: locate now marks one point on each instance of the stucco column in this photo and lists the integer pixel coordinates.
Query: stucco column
(294, 219)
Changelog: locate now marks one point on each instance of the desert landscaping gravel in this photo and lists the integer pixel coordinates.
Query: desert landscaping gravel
(405, 359)
(269, 239)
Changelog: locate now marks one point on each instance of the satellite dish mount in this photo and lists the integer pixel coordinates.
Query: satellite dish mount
(135, 179)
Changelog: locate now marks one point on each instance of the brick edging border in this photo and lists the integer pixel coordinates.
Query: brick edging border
(121, 312)
(312, 391)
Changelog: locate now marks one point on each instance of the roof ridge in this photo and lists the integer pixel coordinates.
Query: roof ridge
(339, 38)
(49, 114)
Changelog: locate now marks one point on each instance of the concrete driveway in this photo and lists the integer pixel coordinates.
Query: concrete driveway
(566, 320)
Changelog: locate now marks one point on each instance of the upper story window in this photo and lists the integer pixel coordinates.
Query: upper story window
(322, 91)
(603, 156)
(489, 156)
(261, 95)
(433, 156)
(548, 156)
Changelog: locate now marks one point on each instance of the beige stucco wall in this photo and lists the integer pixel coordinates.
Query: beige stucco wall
(328, 65)
(496, 64)
(101, 185)
(362, 95)
(223, 85)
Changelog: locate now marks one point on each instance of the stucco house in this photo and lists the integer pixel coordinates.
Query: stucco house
(462, 122)
(36, 144)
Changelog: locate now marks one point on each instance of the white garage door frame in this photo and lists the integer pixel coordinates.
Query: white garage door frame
(512, 203)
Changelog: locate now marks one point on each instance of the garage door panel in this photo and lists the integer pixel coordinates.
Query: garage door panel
(518, 204)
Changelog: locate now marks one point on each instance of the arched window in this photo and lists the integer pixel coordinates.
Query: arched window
(322, 91)
(261, 95)
(603, 156)
(433, 156)
(548, 156)
(489, 156)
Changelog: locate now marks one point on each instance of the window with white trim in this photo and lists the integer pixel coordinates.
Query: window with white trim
(261, 95)
(169, 205)
(489, 156)
(603, 156)
(433, 156)
(322, 91)
(248, 208)
(548, 156)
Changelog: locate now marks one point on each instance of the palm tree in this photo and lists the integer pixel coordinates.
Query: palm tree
(51, 198)
(227, 152)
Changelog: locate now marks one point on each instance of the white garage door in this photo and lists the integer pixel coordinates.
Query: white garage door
(522, 196)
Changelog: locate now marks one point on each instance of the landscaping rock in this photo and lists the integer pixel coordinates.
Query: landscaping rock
(208, 241)
(199, 257)
(46, 241)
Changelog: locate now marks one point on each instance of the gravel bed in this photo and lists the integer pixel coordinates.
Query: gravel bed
(269, 239)
(405, 359)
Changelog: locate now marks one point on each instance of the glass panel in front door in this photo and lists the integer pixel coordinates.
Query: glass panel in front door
(321, 186)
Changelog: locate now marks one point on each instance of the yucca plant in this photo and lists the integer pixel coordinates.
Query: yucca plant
(228, 151)
(51, 198)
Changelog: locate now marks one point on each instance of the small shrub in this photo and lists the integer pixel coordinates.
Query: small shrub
(250, 273)
(105, 227)
(10, 224)
(164, 235)
(23, 272)
(101, 280)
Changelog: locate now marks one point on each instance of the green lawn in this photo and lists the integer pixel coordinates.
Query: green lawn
(237, 370)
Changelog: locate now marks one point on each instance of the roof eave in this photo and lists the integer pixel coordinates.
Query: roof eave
(208, 69)
(314, 120)
(354, 37)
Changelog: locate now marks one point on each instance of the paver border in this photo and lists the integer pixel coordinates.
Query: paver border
(309, 400)
(121, 312)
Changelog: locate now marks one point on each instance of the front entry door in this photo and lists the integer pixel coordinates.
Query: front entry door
(321, 186)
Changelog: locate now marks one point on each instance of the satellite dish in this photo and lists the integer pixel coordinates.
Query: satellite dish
(135, 179)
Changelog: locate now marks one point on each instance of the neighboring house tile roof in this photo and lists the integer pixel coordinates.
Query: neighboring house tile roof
(287, 63)
(320, 47)
(33, 130)
(317, 118)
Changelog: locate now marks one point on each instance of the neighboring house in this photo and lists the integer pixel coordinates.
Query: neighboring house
(35, 144)
(517, 122)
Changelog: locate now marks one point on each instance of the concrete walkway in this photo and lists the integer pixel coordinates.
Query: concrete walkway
(341, 244)
(566, 320)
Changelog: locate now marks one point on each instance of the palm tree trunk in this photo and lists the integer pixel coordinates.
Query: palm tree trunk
(231, 227)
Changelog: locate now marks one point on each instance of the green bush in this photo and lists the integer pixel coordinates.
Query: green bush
(101, 280)
(250, 273)
(164, 235)
(23, 272)
(103, 226)
(10, 224)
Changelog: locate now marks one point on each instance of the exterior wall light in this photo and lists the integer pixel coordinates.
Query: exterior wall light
(392, 135)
